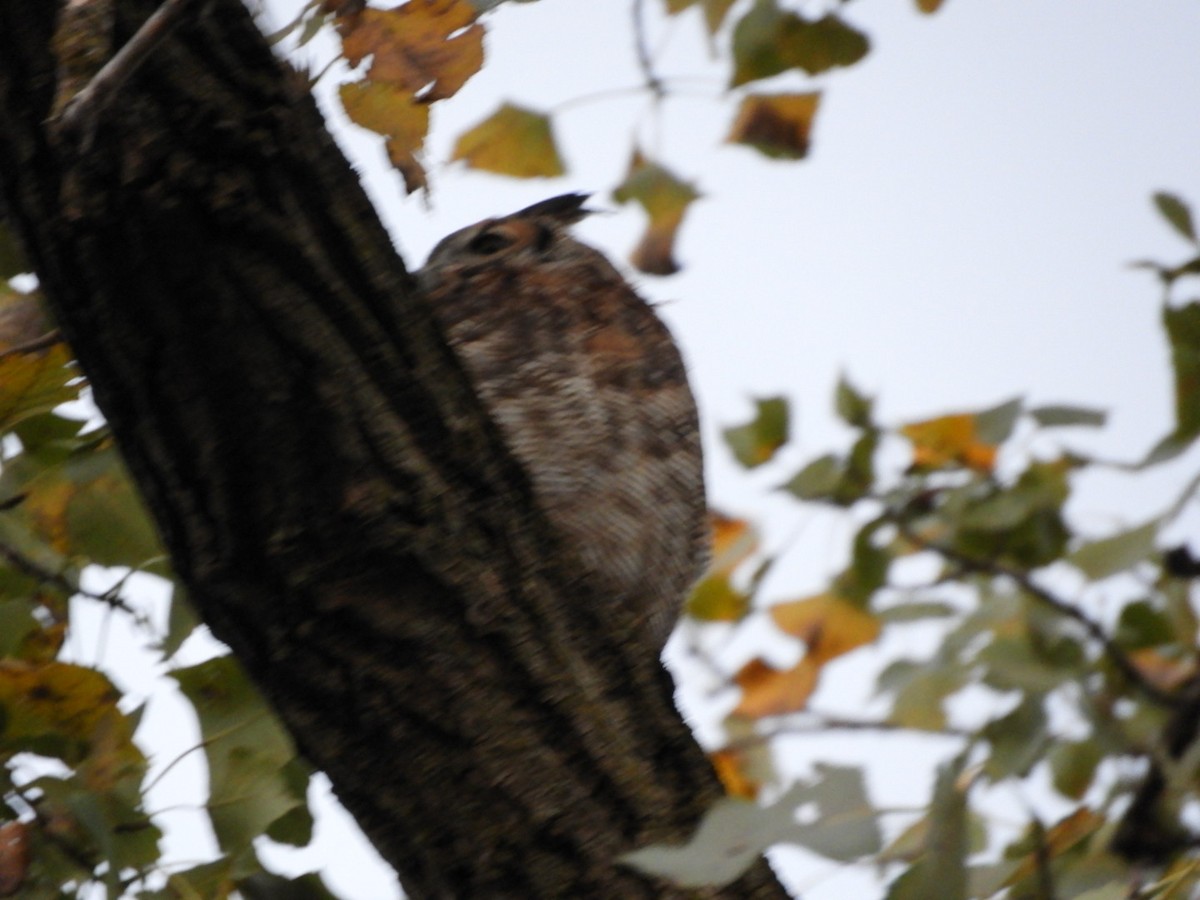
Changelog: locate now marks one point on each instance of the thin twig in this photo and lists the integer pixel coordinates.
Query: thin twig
(645, 63)
(1022, 579)
(24, 564)
(45, 341)
(103, 87)
(817, 723)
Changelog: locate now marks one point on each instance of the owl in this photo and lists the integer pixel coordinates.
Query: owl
(591, 396)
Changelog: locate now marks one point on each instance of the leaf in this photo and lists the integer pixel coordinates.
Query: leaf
(1183, 332)
(35, 382)
(1141, 626)
(428, 48)
(511, 141)
(929, 6)
(951, 440)
(941, 870)
(14, 856)
(828, 624)
(846, 827)
(248, 753)
(1177, 214)
(1056, 416)
(1018, 740)
(729, 765)
(921, 692)
(1118, 553)
(852, 405)
(730, 838)
(776, 125)
(756, 442)
(397, 115)
(818, 480)
(767, 691)
(733, 542)
(767, 40)
(715, 600)
(665, 198)
(1073, 766)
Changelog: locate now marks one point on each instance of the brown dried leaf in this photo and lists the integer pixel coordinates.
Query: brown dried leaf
(950, 440)
(14, 857)
(829, 625)
(767, 691)
(776, 125)
(426, 47)
(730, 766)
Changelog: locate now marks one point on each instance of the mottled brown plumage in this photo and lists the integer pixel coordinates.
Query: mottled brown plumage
(591, 395)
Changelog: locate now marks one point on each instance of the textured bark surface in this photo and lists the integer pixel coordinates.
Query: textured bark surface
(341, 511)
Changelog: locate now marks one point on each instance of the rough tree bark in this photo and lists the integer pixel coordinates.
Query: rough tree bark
(342, 513)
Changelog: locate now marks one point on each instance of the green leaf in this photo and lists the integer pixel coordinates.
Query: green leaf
(852, 406)
(767, 40)
(1119, 553)
(1073, 766)
(1018, 740)
(665, 197)
(993, 426)
(941, 870)
(1183, 332)
(1177, 214)
(12, 259)
(847, 825)
(1142, 625)
(1056, 416)
(817, 480)
(730, 838)
(181, 622)
(915, 611)
(756, 442)
(247, 753)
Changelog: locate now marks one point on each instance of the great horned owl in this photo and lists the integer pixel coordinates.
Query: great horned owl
(591, 395)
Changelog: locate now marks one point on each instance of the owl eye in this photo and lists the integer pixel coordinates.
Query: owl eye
(488, 242)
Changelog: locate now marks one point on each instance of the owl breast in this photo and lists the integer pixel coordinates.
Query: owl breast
(590, 394)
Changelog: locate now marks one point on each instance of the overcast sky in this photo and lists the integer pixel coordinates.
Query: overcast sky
(959, 235)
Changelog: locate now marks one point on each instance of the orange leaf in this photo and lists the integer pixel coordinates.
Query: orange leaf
(733, 542)
(828, 625)
(950, 440)
(767, 691)
(511, 141)
(665, 198)
(426, 47)
(730, 768)
(776, 125)
(396, 114)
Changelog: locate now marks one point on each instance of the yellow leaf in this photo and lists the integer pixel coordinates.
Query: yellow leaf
(58, 697)
(929, 6)
(730, 768)
(767, 691)
(35, 382)
(777, 125)
(396, 114)
(425, 47)
(511, 141)
(715, 600)
(950, 440)
(665, 198)
(733, 542)
(828, 625)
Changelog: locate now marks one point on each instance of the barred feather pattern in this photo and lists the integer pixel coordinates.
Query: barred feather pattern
(591, 395)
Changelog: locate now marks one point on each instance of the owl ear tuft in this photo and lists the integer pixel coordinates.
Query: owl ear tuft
(566, 208)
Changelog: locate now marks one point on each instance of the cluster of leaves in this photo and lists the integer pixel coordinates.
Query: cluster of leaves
(73, 781)
(1028, 682)
(423, 51)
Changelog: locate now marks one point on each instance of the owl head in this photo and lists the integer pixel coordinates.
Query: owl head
(537, 233)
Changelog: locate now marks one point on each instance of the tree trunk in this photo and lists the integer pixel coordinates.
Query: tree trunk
(342, 513)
